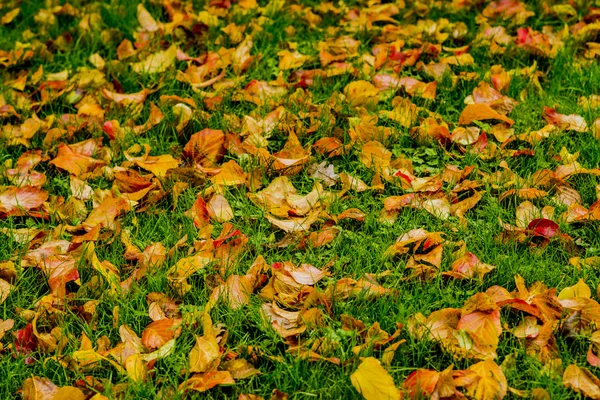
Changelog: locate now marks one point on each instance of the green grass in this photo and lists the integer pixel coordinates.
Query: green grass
(357, 250)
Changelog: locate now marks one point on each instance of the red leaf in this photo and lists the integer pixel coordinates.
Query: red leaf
(543, 227)
(25, 342)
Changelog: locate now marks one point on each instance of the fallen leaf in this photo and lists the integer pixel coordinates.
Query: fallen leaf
(373, 382)
(581, 380)
(205, 354)
(158, 333)
(481, 112)
(206, 381)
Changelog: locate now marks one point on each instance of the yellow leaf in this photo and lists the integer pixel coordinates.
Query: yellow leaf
(157, 62)
(5, 289)
(491, 384)
(158, 165)
(37, 388)
(205, 354)
(361, 93)
(289, 60)
(146, 20)
(9, 16)
(373, 381)
(136, 370)
(582, 380)
(69, 393)
(580, 289)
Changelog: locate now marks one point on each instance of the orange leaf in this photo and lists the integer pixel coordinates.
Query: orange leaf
(204, 382)
(481, 112)
(206, 147)
(73, 162)
(158, 333)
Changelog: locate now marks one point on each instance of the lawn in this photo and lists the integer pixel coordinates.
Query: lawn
(269, 199)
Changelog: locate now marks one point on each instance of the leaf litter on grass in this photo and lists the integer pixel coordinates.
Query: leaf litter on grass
(286, 118)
